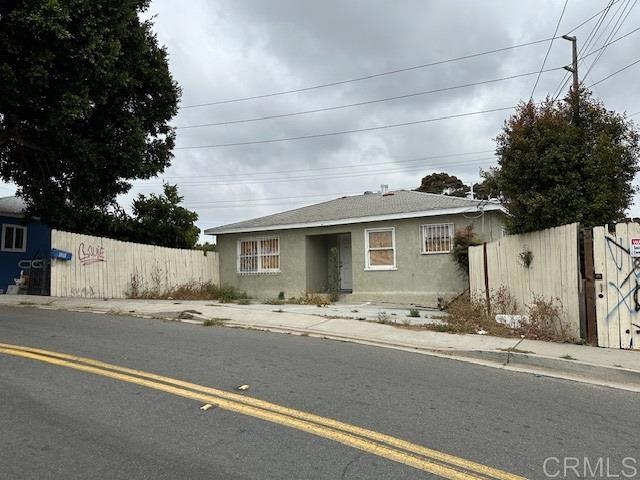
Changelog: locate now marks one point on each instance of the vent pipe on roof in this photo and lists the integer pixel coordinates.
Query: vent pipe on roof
(384, 189)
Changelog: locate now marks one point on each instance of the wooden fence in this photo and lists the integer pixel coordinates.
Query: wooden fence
(617, 286)
(553, 272)
(106, 268)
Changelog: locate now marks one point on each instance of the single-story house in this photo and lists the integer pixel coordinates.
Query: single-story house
(21, 241)
(393, 246)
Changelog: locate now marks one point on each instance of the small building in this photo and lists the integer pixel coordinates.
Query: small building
(24, 243)
(392, 246)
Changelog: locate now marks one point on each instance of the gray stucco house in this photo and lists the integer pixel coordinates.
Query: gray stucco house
(393, 246)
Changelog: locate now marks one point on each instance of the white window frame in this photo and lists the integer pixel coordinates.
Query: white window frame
(24, 238)
(259, 255)
(367, 260)
(423, 238)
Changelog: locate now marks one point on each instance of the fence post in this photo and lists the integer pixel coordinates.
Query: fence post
(589, 286)
(486, 277)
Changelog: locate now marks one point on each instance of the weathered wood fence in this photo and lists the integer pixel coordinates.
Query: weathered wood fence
(106, 268)
(553, 272)
(617, 286)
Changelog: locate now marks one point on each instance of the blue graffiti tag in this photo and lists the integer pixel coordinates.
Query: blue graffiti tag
(624, 253)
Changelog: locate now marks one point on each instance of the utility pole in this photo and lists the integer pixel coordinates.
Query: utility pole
(573, 68)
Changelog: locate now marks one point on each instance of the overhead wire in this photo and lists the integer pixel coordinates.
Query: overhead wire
(367, 102)
(544, 62)
(334, 176)
(614, 73)
(585, 46)
(345, 132)
(367, 77)
(389, 72)
(335, 167)
(612, 34)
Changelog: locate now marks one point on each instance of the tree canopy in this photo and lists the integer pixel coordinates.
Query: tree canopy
(446, 184)
(558, 164)
(443, 184)
(160, 220)
(85, 103)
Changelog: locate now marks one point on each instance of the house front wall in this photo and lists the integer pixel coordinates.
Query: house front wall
(38, 244)
(418, 278)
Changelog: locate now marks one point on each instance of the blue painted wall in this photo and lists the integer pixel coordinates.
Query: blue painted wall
(38, 244)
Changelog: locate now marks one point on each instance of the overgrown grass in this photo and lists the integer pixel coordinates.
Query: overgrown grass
(214, 322)
(316, 299)
(542, 320)
(187, 291)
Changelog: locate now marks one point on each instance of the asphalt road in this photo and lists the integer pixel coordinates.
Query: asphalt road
(60, 423)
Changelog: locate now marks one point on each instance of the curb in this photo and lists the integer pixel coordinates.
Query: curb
(574, 370)
(538, 365)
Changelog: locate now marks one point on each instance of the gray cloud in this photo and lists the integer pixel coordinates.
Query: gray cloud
(235, 48)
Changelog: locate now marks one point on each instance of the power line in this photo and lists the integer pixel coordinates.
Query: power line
(604, 12)
(614, 73)
(614, 31)
(593, 52)
(333, 176)
(344, 132)
(618, 13)
(256, 202)
(352, 165)
(555, 33)
(390, 72)
(368, 102)
(367, 77)
(215, 202)
(592, 17)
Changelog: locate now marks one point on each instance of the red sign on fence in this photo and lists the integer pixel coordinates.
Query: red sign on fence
(634, 247)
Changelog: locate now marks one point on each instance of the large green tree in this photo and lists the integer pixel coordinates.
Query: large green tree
(564, 162)
(85, 100)
(443, 184)
(446, 184)
(161, 220)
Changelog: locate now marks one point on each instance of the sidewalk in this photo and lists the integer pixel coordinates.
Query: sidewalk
(608, 367)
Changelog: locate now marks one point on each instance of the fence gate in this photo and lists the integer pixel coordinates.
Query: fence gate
(617, 286)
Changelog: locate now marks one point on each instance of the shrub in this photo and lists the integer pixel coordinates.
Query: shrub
(545, 319)
(414, 313)
(383, 317)
(308, 298)
(462, 240)
(187, 291)
(214, 322)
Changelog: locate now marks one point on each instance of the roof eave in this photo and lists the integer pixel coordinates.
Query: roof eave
(345, 221)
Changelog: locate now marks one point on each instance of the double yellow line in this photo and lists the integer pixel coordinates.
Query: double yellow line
(416, 456)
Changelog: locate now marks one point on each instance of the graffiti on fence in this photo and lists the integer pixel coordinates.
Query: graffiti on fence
(90, 254)
(627, 290)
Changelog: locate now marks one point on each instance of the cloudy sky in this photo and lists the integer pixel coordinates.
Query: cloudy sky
(228, 50)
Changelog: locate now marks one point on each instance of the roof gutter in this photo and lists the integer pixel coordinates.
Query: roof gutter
(346, 221)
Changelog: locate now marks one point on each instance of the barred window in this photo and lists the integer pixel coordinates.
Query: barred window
(380, 245)
(437, 238)
(259, 255)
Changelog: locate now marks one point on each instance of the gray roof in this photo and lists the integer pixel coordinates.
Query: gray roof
(12, 205)
(360, 208)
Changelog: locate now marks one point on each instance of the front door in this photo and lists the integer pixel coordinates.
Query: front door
(344, 246)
